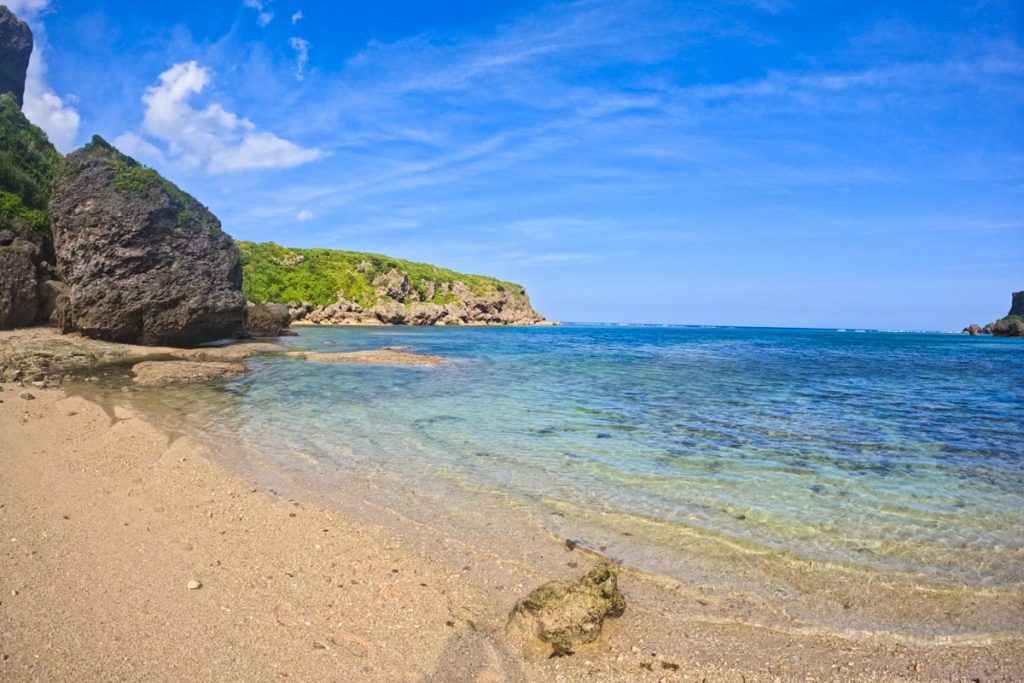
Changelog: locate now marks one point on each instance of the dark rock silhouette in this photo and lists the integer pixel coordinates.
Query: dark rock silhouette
(15, 50)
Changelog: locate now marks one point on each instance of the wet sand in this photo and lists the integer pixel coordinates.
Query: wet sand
(105, 518)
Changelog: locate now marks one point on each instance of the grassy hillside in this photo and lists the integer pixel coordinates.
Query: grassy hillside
(284, 275)
(28, 163)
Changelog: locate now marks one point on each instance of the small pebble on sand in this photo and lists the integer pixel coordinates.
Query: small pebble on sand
(194, 585)
(27, 396)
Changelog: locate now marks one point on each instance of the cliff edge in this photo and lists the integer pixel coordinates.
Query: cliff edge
(326, 286)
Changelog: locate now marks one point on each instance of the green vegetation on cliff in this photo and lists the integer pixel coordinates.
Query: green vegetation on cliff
(283, 275)
(28, 163)
(132, 178)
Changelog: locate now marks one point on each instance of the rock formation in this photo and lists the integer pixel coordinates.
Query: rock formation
(268, 320)
(28, 163)
(567, 614)
(400, 304)
(1013, 324)
(1010, 326)
(19, 287)
(15, 50)
(1016, 304)
(143, 262)
(332, 287)
(158, 373)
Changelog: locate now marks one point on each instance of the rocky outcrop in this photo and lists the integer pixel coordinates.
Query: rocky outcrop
(15, 50)
(356, 288)
(27, 164)
(400, 304)
(1017, 304)
(567, 614)
(1010, 326)
(143, 262)
(268, 320)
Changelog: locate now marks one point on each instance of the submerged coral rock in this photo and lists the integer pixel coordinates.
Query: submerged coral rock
(143, 261)
(567, 614)
(155, 373)
(15, 50)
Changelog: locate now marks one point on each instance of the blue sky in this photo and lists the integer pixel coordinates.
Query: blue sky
(751, 162)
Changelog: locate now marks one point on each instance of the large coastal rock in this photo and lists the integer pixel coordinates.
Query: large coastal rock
(28, 163)
(143, 262)
(15, 50)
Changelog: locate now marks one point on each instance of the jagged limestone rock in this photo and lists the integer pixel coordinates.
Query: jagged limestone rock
(143, 261)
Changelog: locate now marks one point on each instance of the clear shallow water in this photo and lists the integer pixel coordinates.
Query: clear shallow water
(886, 451)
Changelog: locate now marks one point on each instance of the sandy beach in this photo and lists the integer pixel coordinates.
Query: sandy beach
(105, 520)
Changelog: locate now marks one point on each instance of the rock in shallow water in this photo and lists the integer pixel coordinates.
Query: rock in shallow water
(567, 614)
(143, 261)
(155, 373)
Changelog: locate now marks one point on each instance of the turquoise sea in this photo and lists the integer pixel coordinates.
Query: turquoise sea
(900, 454)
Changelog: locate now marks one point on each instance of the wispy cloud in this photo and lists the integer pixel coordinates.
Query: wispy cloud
(301, 47)
(297, 17)
(263, 16)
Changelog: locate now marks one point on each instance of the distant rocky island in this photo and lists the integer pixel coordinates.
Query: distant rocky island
(1010, 326)
(99, 244)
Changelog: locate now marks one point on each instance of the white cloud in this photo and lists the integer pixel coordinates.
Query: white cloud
(296, 17)
(263, 17)
(305, 215)
(26, 7)
(43, 106)
(213, 139)
(301, 47)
